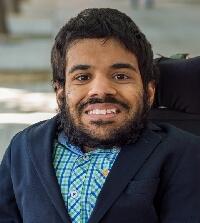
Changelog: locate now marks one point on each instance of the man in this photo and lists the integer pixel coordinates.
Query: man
(99, 160)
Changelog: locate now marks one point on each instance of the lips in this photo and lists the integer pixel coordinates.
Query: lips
(102, 111)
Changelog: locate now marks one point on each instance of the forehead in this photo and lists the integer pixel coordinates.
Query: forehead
(99, 51)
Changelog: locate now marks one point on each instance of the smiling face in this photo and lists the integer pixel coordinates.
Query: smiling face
(103, 89)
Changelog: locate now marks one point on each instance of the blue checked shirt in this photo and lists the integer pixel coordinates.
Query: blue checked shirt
(81, 176)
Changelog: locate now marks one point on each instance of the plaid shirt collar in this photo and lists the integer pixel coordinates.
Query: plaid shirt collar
(63, 140)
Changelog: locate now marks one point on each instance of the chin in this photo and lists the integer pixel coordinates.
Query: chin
(106, 135)
(102, 129)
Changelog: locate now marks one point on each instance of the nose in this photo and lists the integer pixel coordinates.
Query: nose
(101, 86)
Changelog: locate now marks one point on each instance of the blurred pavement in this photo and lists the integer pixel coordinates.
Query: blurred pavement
(27, 97)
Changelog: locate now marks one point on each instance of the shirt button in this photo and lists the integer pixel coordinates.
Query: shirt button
(74, 194)
(105, 172)
(86, 157)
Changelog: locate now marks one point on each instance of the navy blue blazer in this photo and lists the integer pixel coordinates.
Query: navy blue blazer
(155, 180)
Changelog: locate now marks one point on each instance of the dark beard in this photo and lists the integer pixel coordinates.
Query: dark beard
(129, 133)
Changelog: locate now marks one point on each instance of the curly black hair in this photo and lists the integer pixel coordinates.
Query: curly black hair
(102, 23)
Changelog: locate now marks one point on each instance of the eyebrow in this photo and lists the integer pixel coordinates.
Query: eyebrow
(79, 67)
(123, 65)
(114, 66)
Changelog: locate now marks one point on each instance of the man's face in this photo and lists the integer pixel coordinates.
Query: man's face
(103, 89)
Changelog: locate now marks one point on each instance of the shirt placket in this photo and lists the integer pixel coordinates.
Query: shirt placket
(76, 187)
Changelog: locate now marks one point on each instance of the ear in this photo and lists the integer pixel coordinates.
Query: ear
(59, 92)
(151, 92)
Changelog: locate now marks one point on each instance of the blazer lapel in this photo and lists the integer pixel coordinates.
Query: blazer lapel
(126, 166)
(41, 139)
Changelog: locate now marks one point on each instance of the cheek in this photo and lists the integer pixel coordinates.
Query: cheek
(73, 97)
(133, 95)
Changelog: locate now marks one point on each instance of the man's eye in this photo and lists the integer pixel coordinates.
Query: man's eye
(82, 77)
(120, 77)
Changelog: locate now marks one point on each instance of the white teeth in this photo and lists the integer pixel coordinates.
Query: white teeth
(102, 112)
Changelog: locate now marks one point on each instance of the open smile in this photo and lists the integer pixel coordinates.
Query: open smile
(103, 111)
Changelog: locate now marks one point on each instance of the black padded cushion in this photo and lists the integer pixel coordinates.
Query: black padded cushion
(179, 84)
(185, 121)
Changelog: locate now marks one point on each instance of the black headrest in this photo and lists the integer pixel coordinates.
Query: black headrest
(179, 84)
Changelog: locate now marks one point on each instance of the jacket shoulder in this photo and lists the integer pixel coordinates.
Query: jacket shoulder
(35, 131)
(172, 133)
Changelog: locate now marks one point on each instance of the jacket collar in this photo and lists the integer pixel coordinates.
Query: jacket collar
(129, 161)
(41, 139)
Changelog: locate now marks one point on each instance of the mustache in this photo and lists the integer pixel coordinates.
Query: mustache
(106, 99)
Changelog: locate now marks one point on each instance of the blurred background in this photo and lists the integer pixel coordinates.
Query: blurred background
(27, 31)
